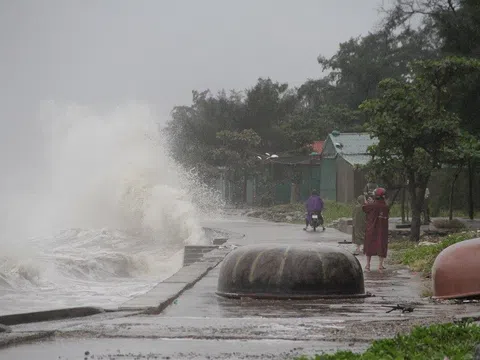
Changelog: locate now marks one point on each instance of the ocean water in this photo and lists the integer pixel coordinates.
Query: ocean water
(100, 216)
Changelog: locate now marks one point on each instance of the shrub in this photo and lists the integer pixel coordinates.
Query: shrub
(449, 224)
(421, 257)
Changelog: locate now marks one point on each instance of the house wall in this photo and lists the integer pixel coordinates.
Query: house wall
(309, 180)
(328, 171)
(283, 191)
(359, 183)
(225, 187)
(328, 179)
(315, 179)
(329, 148)
(345, 181)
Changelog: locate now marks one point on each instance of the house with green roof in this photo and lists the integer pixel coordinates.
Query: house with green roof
(341, 179)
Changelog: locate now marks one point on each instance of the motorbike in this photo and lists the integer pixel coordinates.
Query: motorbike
(317, 220)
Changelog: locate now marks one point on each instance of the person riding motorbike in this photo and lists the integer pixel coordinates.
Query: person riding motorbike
(314, 205)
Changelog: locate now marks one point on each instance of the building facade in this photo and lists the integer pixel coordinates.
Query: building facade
(341, 176)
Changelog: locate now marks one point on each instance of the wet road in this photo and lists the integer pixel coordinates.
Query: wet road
(136, 349)
(201, 325)
(253, 231)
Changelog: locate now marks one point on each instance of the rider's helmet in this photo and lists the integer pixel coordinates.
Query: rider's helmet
(379, 193)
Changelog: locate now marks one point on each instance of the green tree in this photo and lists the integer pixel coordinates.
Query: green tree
(267, 106)
(455, 25)
(238, 153)
(361, 63)
(193, 129)
(456, 83)
(317, 113)
(412, 125)
(459, 28)
(389, 170)
(466, 152)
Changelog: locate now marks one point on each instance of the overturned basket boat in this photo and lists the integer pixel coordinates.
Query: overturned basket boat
(456, 271)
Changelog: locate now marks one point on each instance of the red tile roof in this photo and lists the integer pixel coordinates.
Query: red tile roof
(317, 146)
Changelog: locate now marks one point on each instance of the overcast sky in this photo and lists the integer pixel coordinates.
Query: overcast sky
(104, 53)
(107, 52)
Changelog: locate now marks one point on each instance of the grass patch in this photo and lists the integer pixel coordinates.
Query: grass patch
(286, 208)
(421, 257)
(395, 210)
(435, 342)
(334, 211)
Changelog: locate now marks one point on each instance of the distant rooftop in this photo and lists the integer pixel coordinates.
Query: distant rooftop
(357, 159)
(352, 143)
(317, 146)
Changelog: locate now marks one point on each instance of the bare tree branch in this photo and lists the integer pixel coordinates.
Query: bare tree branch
(403, 11)
(452, 7)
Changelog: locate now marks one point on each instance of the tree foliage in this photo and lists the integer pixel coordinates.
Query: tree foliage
(238, 149)
(454, 25)
(361, 63)
(414, 129)
(416, 77)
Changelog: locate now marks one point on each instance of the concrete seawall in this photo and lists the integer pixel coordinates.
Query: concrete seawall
(170, 289)
(198, 260)
(49, 315)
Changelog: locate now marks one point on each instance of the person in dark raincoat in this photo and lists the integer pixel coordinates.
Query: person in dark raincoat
(376, 233)
(314, 204)
(359, 223)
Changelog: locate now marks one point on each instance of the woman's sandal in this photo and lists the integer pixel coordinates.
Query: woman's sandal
(367, 268)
